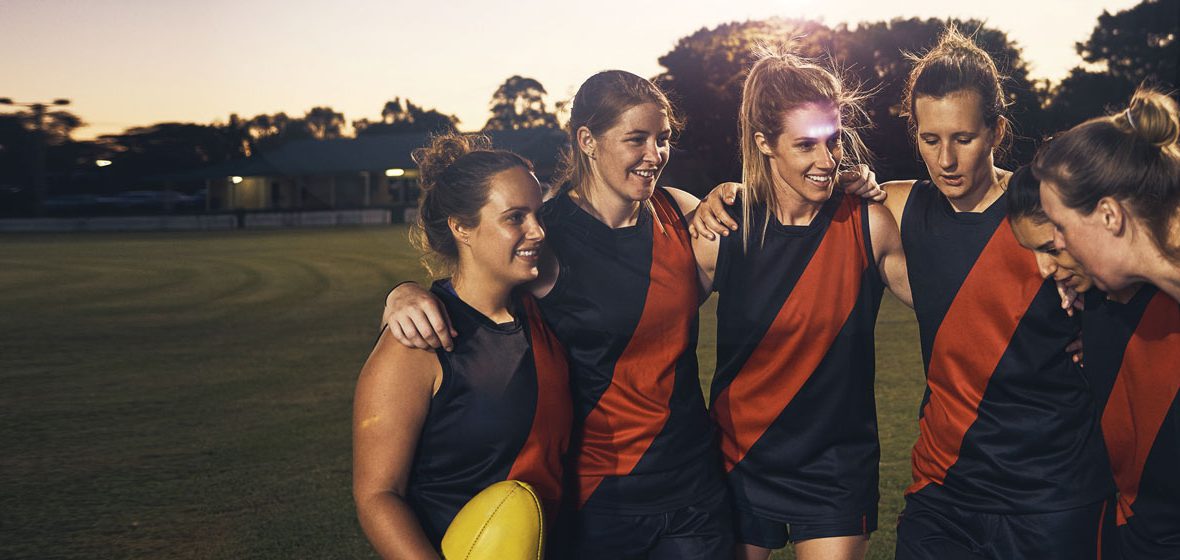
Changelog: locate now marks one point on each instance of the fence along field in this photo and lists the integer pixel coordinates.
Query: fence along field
(188, 395)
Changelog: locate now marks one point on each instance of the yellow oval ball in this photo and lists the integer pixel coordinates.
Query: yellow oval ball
(503, 522)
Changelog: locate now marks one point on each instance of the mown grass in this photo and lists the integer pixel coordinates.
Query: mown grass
(188, 395)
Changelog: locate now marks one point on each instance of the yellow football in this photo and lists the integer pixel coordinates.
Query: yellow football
(503, 522)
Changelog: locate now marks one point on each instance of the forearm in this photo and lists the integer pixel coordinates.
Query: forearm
(392, 527)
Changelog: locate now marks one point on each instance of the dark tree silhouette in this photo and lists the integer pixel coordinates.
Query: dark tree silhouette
(1136, 46)
(398, 116)
(323, 123)
(1139, 44)
(520, 103)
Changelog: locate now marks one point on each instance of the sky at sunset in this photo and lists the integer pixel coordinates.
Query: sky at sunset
(127, 63)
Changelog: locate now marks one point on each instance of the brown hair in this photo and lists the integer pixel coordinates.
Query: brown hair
(957, 64)
(1132, 156)
(597, 105)
(455, 171)
(778, 83)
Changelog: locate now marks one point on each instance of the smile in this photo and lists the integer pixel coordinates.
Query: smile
(647, 174)
(822, 180)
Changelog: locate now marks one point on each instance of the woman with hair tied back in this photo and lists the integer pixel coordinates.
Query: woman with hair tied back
(433, 429)
(1111, 188)
(799, 291)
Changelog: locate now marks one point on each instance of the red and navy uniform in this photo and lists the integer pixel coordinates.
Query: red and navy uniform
(502, 412)
(625, 306)
(1007, 424)
(1133, 363)
(793, 393)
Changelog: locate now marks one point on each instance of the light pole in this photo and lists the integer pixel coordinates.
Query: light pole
(39, 184)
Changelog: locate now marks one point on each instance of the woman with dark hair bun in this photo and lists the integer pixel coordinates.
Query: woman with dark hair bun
(433, 429)
(1111, 186)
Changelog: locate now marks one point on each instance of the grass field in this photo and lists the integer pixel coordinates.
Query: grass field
(188, 395)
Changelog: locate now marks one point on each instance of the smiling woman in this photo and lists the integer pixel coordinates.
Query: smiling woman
(432, 430)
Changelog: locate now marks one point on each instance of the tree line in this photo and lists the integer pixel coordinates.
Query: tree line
(703, 74)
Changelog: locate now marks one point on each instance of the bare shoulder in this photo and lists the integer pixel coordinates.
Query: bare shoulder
(392, 364)
(898, 193)
(684, 199)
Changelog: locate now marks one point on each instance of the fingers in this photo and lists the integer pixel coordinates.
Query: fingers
(729, 192)
(1075, 348)
(408, 335)
(441, 328)
(1069, 298)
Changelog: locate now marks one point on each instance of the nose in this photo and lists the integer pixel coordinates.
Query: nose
(1046, 264)
(651, 152)
(946, 156)
(534, 230)
(827, 159)
(1058, 240)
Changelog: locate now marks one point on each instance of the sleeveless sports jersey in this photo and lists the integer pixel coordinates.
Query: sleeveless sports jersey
(1007, 423)
(1133, 362)
(793, 393)
(502, 412)
(625, 307)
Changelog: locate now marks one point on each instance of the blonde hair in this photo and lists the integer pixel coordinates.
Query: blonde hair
(778, 83)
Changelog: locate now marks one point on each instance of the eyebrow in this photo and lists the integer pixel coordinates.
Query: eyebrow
(516, 208)
(835, 134)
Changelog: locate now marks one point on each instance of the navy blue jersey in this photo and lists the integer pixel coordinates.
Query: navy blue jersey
(1007, 422)
(625, 307)
(502, 412)
(1132, 354)
(793, 393)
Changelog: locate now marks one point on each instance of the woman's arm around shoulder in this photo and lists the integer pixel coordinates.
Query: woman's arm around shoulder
(393, 395)
(888, 254)
(703, 248)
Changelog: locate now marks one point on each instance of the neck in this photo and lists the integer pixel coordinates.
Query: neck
(1163, 273)
(487, 295)
(791, 208)
(982, 199)
(606, 206)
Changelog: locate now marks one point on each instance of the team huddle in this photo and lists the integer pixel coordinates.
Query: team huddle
(561, 350)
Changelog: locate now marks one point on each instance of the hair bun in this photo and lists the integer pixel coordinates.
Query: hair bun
(433, 160)
(1153, 117)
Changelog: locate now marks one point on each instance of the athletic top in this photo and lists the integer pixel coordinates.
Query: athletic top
(1007, 422)
(793, 393)
(502, 412)
(625, 306)
(1132, 354)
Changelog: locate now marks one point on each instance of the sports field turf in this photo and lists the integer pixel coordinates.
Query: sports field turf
(188, 395)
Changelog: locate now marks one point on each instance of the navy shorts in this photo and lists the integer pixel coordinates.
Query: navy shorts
(1131, 541)
(700, 531)
(934, 530)
(767, 533)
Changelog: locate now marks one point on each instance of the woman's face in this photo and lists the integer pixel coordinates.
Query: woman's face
(806, 154)
(507, 242)
(627, 159)
(1102, 254)
(1054, 263)
(956, 144)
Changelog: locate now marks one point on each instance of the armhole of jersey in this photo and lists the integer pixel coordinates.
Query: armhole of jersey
(558, 288)
(669, 200)
(874, 271)
(443, 386)
(909, 202)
